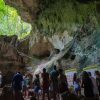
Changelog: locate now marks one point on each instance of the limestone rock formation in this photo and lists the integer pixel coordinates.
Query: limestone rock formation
(10, 59)
(80, 18)
(42, 48)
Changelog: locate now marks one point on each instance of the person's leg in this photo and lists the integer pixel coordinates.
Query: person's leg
(27, 92)
(37, 97)
(23, 91)
(17, 96)
(79, 92)
(54, 95)
(38, 94)
(54, 92)
(24, 94)
(99, 90)
(48, 95)
(13, 95)
(57, 96)
(43, 95)
(76, 92)
(21, 95)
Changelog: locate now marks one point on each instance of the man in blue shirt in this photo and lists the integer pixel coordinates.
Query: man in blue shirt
(17, 81)
(17, 85)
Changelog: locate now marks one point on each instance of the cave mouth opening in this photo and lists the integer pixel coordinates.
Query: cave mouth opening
(11, 23)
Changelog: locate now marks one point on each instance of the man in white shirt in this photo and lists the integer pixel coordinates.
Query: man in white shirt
(95, 88)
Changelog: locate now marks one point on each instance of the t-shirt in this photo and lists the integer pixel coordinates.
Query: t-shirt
(76, 85)
(25, 81)
(54, 75)
(37, 82)
(17, 82)
(45, 78)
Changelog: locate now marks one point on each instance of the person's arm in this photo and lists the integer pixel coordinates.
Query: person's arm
(65, 79)
(82, 84)
(49, 79)
(97, 81)
(41, 82)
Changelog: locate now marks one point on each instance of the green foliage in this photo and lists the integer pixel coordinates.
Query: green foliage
(2, 4)
(59, 15)
(11, 23)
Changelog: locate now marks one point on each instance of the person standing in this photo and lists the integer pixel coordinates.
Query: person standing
(17, 86)
(45, 84)
(63, 85)
(25, 86)
(76, 84)
(97, 73)
(95, 87)
(87, 85)
(54, 81)
(37, 86)
(0, 79)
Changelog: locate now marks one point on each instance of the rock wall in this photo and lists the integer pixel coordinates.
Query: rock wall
(10, 59)
(50, 24)
(27, 9)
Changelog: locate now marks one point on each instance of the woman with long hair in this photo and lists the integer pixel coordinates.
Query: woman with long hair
(87, 85)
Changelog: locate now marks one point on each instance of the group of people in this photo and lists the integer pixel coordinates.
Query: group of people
(90, 84)
(54, 85)
(49, 85)
(44, 85)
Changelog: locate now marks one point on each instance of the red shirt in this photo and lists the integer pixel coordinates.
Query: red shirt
(45, 82)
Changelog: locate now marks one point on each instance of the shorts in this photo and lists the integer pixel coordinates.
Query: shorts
(24, 88)
(77, 89)
(36, 89)
(45, 90)
(55, 87)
